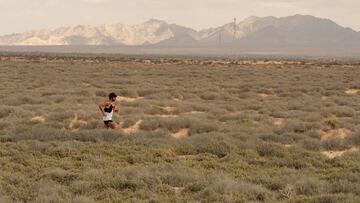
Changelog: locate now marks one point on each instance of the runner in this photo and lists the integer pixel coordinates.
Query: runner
(108, 108)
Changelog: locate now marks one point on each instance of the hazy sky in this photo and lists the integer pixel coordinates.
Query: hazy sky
(24, 15)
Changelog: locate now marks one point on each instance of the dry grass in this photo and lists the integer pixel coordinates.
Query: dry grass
(191, 130)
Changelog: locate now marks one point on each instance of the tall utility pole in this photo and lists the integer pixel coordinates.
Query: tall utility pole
(220, 37)
(234, 37)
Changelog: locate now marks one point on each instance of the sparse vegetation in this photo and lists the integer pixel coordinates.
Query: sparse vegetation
(192, 130)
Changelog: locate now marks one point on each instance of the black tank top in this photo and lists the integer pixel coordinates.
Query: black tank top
(108, 109)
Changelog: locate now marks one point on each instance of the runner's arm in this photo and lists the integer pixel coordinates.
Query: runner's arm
(117, 109)
(101, 107)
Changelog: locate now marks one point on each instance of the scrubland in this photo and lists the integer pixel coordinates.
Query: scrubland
(191, 130)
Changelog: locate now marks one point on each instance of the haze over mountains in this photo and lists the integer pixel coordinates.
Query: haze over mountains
(297, 34)
(297, 30)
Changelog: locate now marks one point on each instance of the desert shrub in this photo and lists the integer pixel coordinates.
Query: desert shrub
(293, 161)
(224, 189)
(269, 150)
(200, 107)
(333, 198)
(93, 175)
(96, 135)
(82, 199)
(16, 179)
(159, 96)
(129, 121)
(213, 143)
(144, 92)
(342, 111)
(39, 133)
(311, 144)
(49, 92)
(344, 186)
(332, 122)
(175, 175)
(309, 116)
(308, 186)
(198, 127)
(150, 124)
(61, 116)
(101, 93)
(125, 110)
(296, 126)
(333, 143)
(81, 93)
(48, 191)
(253, 105)
(4, 124)
(182, 108)
(185, 148)
(175, 124)
(271, 183)
(64, 149)
(22, 100)
(129, 93)
(37, 146)
(81, 187)
(276, 138)
(86, 136)
(121, 183)
(295, 105)
(209, 96)
(5, 111)
(353, 139)
(59, 175)
(232, 117)
(153, 110)
(5, 199)
(91, 124)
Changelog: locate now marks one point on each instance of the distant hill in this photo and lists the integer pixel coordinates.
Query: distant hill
(256, 34)
(150, 32)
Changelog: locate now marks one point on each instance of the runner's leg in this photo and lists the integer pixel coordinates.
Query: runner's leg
(106, 124)
(112, 125)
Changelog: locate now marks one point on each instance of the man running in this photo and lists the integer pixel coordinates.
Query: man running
(107, 108)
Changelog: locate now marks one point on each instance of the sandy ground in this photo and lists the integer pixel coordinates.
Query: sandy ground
(352, 91)
(38, 119)
(181, 133)
(133, 128)
(278, 122)
(75, 121)
(128, 99)
(333, 154)
(339, 133)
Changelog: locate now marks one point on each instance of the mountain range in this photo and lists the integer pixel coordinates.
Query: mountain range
(297, 30)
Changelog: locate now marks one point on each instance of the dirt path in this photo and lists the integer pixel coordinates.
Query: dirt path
(133, 128)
